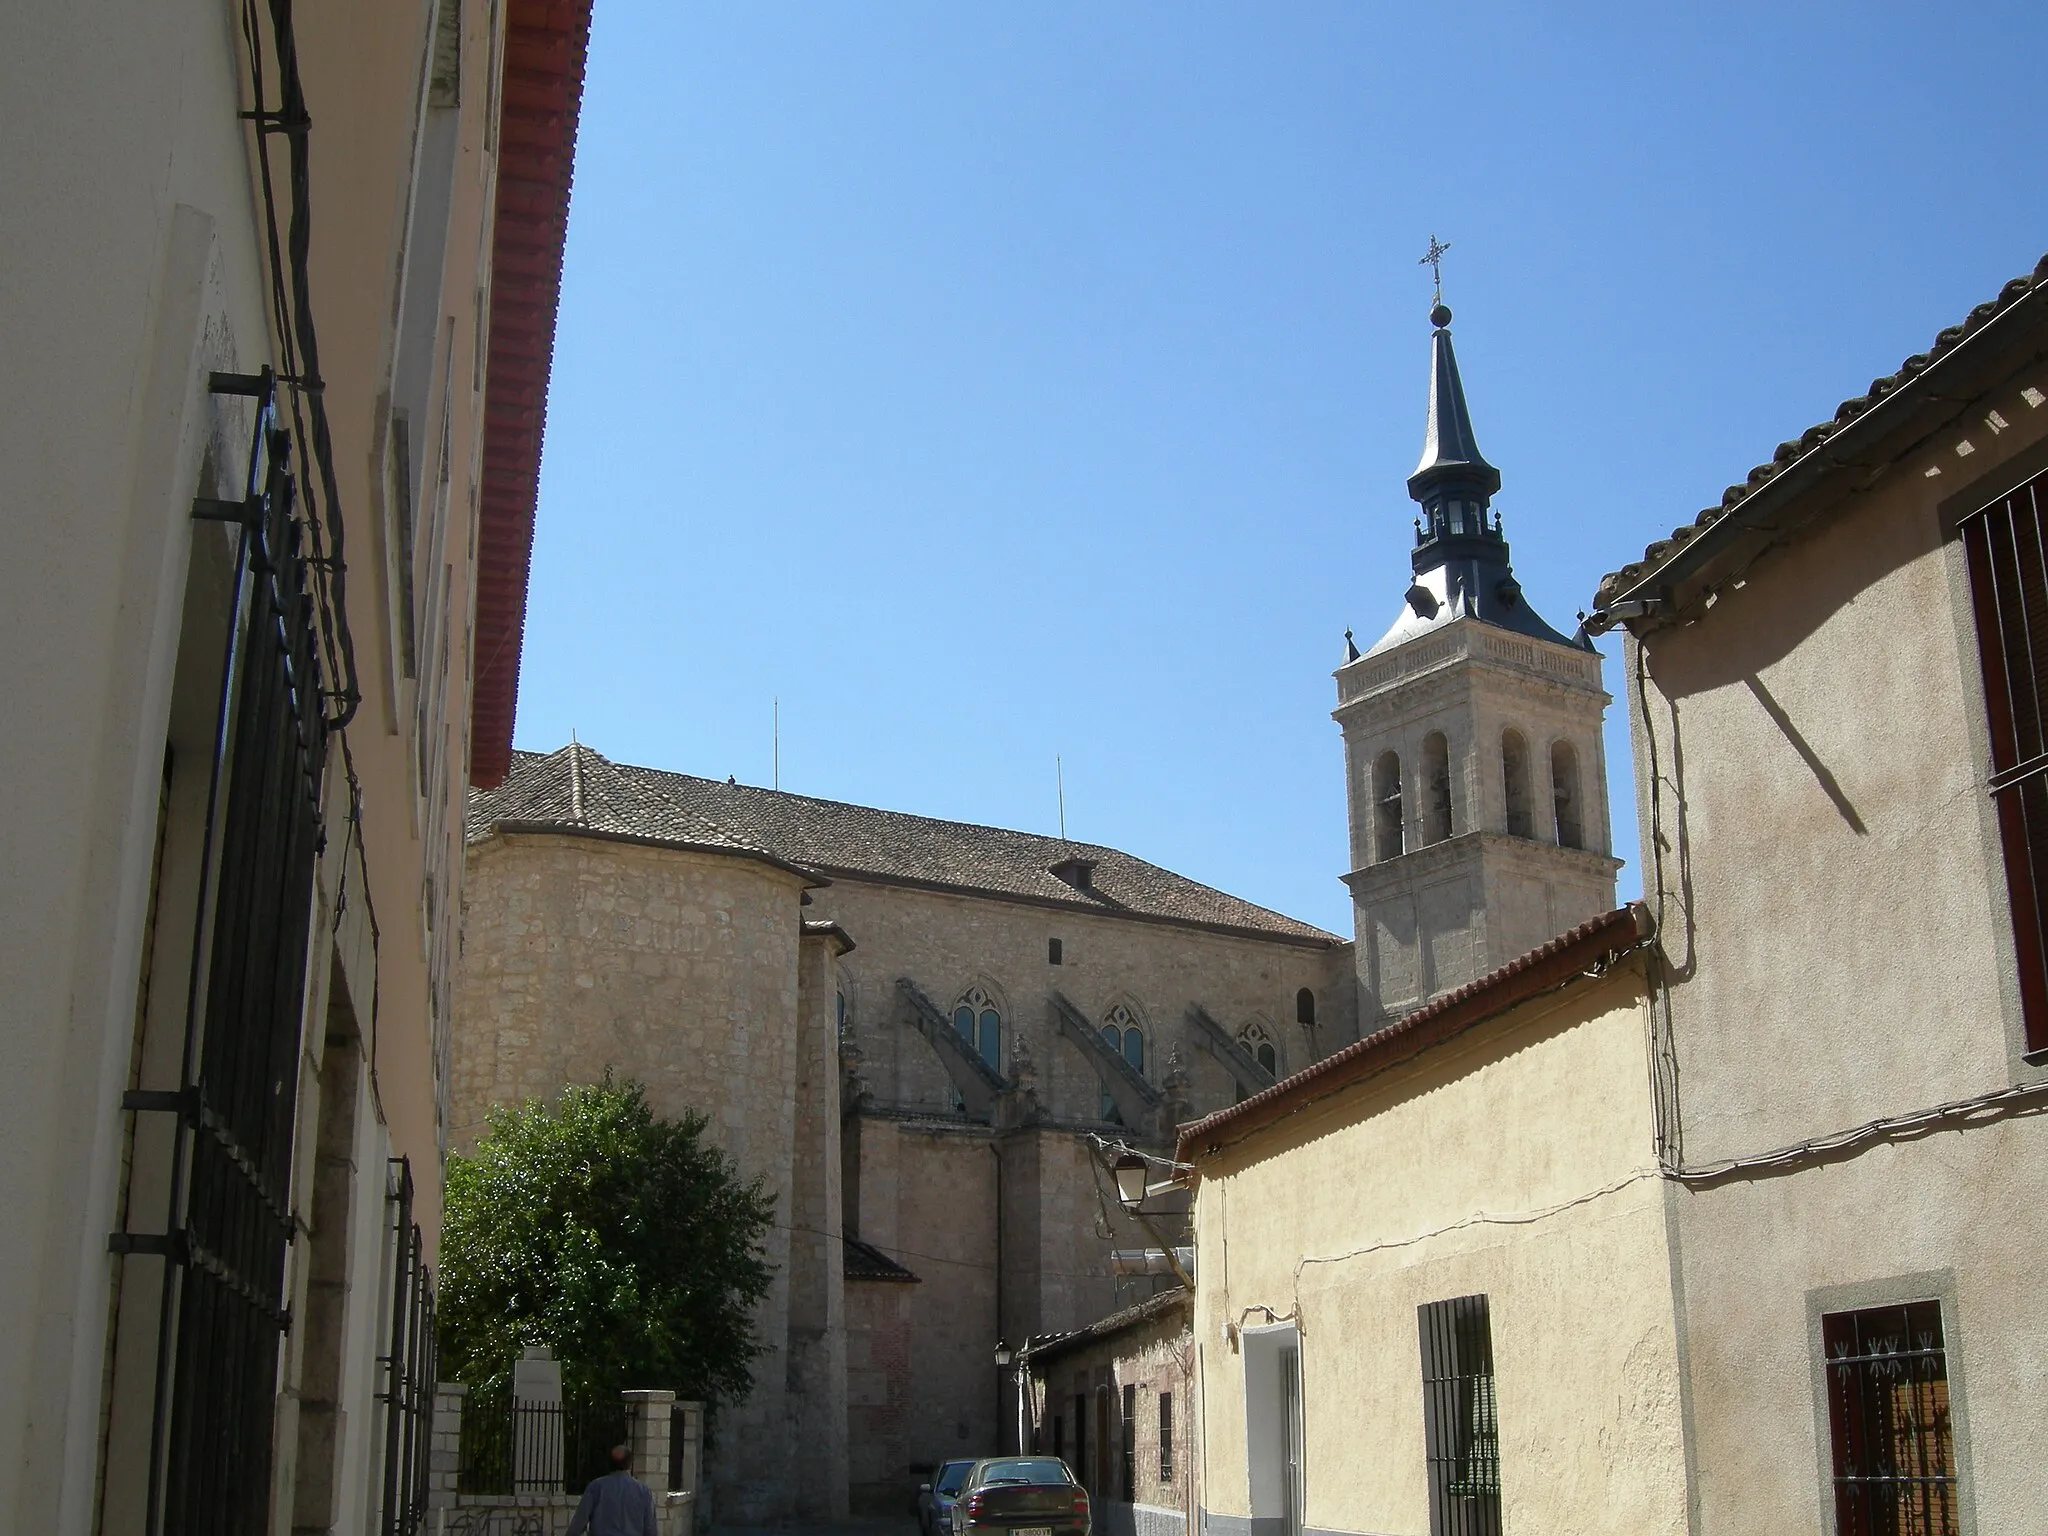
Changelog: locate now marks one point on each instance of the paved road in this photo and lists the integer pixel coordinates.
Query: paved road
(896, 1525)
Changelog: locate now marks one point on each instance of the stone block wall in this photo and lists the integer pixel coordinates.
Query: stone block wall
(948, 943)
(681, 970)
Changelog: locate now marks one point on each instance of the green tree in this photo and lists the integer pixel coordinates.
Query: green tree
(625, 1242)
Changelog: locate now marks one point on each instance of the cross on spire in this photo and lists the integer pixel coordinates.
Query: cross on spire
(1433, 259)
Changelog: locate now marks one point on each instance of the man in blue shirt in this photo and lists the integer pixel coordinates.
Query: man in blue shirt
(617, 1504)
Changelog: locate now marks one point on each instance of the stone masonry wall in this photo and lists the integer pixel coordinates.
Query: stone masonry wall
(948, 943)
(681, 970)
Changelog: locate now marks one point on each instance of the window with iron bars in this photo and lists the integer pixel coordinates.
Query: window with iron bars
(1892, 1437)
(409, 1367)
(2006, 547)
(1166, 1437)
(1130, 1468)
(1460, 1418)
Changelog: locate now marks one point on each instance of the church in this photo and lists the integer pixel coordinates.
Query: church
(922, 1034)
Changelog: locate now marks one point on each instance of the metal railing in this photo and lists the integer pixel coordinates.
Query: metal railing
(408, 1394)
(514, 1447)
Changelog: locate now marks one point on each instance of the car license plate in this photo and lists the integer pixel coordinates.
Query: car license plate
(1032, 1530)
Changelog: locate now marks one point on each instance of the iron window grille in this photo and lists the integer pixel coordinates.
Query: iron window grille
(1892, 1438)
(1166, 1437)
(1130, 1445)
(228, 1221)
(409, 1368)
(1460, 1417)
(2006, 547)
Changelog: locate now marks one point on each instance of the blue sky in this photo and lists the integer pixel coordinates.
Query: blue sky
(992, 381)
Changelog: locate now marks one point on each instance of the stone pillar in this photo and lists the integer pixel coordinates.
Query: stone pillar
(444, 1459)
(647, 1435)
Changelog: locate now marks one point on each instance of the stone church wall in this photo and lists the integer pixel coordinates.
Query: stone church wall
(678, 969)
(948, 943)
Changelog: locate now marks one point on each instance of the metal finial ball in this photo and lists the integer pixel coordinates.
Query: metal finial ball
(1440, 316)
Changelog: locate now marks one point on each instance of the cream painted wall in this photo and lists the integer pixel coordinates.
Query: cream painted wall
(1551, 1206)
(134, 267)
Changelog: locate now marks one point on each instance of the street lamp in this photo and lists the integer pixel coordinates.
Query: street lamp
(1012, 1360)
(1131, 1172)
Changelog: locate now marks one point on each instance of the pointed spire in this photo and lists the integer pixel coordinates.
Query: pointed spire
(1450, 450)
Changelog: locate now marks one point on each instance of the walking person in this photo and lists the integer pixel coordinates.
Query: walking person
(617, 1504)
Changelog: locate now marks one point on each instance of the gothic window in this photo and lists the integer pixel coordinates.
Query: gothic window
(1436, 787)
(1122, 1033)
(1386, 807)
(980, 1023)
(1564, 788)
(1514, 773)
(1259, 1046)
(1305, 1008)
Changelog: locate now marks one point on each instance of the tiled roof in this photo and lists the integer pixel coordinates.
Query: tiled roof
(834, 838)
(576, 787)
(1588, 947)
(864, 1261)
(1049, 1347)
(837, 838)
(1792, 450)
(546, 44)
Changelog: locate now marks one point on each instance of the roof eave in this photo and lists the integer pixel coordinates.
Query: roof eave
(1890, 429)
(1548, 968)
(813, 881)
(1324, 941)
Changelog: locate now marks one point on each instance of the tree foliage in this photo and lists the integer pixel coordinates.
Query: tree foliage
(627, 1243)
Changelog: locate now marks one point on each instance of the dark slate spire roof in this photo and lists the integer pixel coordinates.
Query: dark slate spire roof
(1450, 450)
(1460, 559)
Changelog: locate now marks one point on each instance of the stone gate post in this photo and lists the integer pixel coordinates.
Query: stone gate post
(647, 1433)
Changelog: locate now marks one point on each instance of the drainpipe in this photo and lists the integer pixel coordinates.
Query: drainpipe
(996, 1151)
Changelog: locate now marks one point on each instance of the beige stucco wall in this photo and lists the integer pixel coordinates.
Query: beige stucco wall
(1515, 1161)
(1840, 952)
(135, 265)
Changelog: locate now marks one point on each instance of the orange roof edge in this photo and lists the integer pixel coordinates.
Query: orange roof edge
(540, 102)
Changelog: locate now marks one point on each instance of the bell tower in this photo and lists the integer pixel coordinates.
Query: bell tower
(1474, 769)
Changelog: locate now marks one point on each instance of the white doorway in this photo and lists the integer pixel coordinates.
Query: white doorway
(1273, 1429)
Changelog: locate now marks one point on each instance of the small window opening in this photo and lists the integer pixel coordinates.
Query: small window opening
(1436, 781)
(1053, 953)
(1514, 772)
(1564, 787)
(1305, 1008)
(1460, 1419)
(1166, 1437)
(1892, 1437)
(1386, 808)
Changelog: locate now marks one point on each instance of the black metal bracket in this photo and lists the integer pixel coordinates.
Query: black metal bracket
(163, 1245)
(277, 122)
(211, 509)
(254, 385)
(183, 1102)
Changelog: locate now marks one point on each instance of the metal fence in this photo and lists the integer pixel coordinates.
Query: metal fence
(534, 1447)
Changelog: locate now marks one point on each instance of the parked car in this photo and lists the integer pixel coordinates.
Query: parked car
(935, 1498)
(1022, 1496)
